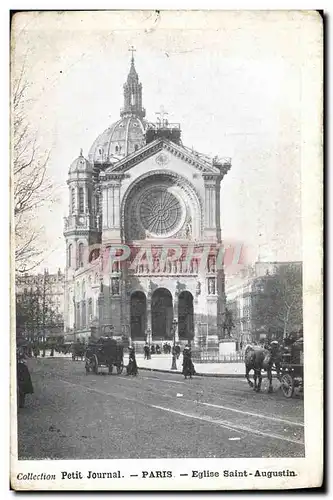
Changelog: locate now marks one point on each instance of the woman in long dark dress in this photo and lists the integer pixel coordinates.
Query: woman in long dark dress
(132, 367)
(188, 367)
(24, 384)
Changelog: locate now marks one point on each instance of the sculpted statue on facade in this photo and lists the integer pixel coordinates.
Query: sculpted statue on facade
(211, 265)
(188, 230)
(115, 286)
(211, 286)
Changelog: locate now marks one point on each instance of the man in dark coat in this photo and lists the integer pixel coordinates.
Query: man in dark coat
(146, 351)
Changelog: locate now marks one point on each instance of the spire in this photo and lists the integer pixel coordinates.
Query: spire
(132, 49)
(132, 92)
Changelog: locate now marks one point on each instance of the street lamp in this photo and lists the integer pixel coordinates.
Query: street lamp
(174, 327)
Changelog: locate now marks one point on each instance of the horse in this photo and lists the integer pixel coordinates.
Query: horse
(257, 359)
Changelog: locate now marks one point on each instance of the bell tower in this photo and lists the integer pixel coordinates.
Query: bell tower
(132, 93)
(82, 226)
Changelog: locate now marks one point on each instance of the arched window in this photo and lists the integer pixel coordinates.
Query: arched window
(81, 200)
(70, 248)
(73, 199)
(81, 250)
(89, 200)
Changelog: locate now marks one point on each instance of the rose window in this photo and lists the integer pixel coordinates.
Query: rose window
(160, 211)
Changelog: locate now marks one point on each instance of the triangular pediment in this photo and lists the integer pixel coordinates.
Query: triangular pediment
(202, 163)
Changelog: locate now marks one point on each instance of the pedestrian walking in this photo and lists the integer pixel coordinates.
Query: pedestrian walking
(132, 367)
(24, 384)
(188, 367)
(146, 351)
(36, 350)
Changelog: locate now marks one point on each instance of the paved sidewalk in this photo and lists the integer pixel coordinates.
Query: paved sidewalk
(163, 363)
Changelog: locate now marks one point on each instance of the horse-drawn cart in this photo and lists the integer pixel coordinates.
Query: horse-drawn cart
(105, 353)
(291, 369)
(78, 350)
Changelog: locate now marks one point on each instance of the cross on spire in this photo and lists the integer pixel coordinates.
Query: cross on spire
(132, 49)
(161, 116)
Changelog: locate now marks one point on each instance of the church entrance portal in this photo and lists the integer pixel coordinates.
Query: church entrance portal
(161, 314)
(185, 316)
(138, 315)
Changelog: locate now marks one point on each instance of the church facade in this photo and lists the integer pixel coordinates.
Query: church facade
(144, 253)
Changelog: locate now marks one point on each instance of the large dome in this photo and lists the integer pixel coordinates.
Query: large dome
(120, 139)
(128, 134)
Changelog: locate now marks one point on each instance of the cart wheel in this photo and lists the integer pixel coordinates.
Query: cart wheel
(287, 385)
(95, 364)
(120, 368)
(110, 369)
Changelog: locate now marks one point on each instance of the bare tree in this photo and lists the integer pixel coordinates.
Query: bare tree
(37, 310)
(278, 304)
(31, 187)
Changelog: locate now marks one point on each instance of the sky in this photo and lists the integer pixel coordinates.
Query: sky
(237, 82)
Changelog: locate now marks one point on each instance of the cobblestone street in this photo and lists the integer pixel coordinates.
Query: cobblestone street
(155, 415)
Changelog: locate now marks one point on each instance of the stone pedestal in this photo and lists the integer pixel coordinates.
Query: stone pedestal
(227, 346)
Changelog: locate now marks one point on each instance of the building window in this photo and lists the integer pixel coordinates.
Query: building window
(81, 250)
(136, 147)
(81, 200)
(73, 199)
(89, 200)
(90, 309)
(70, 255)
(84, 314)
(117, 148)
(77, 319)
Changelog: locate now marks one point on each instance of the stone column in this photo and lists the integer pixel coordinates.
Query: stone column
(113, 201)
(148, 318)
(175, 315)
(212, 205)
(100, 308)
(196, 313)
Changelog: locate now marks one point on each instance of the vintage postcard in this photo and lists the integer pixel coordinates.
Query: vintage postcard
(167, 173)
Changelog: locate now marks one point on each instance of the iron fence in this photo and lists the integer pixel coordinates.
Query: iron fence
(213, 356)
